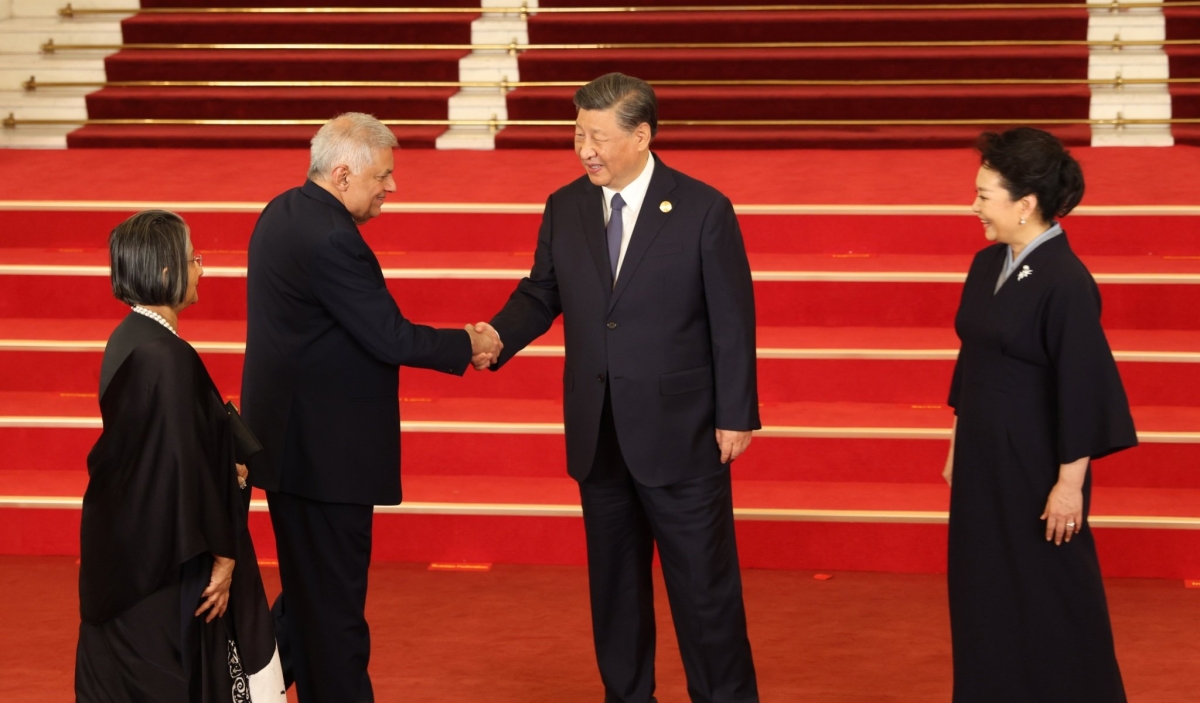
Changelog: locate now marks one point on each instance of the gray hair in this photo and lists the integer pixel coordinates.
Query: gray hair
(140, 248)
(350, 139)
(633, 98)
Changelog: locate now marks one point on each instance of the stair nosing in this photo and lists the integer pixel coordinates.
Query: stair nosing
(744, 514)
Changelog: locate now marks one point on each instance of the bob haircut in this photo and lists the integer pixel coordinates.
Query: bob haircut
(148, 254)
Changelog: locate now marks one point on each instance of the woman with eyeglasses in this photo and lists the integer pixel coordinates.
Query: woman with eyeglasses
(171, 601)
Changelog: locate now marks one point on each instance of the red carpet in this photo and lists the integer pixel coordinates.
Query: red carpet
(810, 64)
(324, 3)
(320, 28)
(282, 65)
(1125, 176)
(1020, 104)
(290, 103)
(854, 305)
(839, 26)
(1184, 23)
(519, 633)
(317, 103)
(1028, 104)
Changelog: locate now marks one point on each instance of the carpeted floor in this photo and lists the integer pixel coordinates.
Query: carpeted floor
(520, 633)
(1125, 176)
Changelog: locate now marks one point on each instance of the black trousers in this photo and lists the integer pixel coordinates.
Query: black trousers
(320, 621)
(692, 524)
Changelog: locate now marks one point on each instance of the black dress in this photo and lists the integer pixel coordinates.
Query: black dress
(162, 498)
(1035, 386)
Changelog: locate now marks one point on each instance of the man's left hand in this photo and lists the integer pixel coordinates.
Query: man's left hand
(732, 443)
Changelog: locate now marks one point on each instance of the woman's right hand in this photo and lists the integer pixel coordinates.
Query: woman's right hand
(216, 596)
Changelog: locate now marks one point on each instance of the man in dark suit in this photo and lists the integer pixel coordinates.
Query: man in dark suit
(320, 389)
(648, 269)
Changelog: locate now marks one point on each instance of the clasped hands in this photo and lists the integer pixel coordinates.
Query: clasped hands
(485, 345)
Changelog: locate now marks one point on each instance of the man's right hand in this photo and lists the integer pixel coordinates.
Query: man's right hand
(485, 345)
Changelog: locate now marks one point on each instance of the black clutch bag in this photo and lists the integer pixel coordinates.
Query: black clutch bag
(245, 444)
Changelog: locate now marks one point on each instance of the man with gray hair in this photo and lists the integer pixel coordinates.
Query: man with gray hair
(320, 389)
(648, 269)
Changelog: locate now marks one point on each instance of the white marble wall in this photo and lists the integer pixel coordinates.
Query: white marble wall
(486, 65)
(1152, 101)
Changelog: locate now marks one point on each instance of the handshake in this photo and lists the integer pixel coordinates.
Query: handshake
(485, 345)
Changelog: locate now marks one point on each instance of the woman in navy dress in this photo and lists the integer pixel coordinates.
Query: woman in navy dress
(1037, 396)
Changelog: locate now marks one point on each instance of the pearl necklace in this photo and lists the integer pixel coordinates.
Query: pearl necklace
(156, 317)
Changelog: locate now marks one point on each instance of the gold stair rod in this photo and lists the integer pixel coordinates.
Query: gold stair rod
(1114, 6)
(51, 47)
(505, 86)
(13, 121)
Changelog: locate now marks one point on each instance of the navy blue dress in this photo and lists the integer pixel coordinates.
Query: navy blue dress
(1035, 386)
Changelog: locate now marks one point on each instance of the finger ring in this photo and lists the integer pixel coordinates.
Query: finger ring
(1070, 524)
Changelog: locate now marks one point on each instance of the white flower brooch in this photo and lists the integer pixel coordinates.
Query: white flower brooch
(1024, 273)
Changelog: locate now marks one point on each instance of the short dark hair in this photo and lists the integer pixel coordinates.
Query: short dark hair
(633, 98)
(139, 249)
(1032, 161)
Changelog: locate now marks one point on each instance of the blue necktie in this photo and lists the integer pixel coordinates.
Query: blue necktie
(616, 230)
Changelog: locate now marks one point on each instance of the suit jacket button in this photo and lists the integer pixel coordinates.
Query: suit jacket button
(612, 325)
(600, 378)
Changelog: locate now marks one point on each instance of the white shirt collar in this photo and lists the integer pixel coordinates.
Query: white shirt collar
(634, 193)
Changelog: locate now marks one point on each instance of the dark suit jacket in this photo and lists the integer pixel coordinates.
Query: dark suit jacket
(324, 343)
(673, 341)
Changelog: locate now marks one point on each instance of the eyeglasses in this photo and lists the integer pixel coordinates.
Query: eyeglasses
(199, 260)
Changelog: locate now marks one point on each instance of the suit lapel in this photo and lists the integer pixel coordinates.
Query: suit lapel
(650, 220)
(591, 210)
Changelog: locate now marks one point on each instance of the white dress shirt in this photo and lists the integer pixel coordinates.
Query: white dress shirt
(633, 195)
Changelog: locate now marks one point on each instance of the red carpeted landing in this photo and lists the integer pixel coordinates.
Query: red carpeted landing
(1124, 176)
(855, 308)
(523, 634)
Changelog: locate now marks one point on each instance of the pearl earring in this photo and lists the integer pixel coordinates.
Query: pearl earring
(1022, 220)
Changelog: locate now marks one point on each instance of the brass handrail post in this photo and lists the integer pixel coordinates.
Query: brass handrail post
(524, 15)
(10, 122)
(512, 47)
(1116, 42)
(68, 11)
(30, 85)
(1119, 83)
(504, 85)
(1120, 121)
(48, 47)
(493, 125)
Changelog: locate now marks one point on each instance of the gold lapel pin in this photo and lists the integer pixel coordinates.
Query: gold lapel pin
(665, 206)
